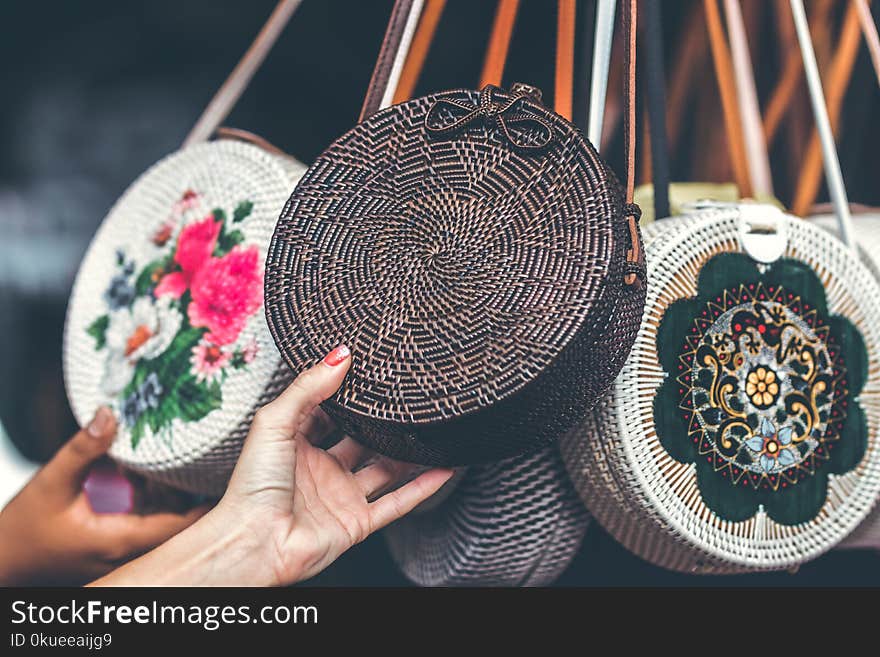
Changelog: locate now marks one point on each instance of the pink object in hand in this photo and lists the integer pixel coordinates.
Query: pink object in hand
(108, 490)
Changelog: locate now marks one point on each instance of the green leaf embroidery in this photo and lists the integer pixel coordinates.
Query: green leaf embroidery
(154, 419)
(174, 363)
(146, 280)
(137, 432)
(196, 399)
(219, 215)
(227, 241)
(98, 330)
(242, 211)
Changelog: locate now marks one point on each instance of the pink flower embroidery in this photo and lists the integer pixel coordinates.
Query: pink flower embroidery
(225, 293)
(194, 248)
(208, 361)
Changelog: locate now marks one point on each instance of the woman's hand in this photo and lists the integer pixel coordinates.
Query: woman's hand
(291, 508)
(49, 532)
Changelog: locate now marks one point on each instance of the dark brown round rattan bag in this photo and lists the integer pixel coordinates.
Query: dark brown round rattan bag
(471, 250)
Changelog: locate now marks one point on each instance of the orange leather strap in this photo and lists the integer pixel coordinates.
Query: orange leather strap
(499, 43)
(418, 51)
(838, 79)
(496, 53)
(727, 87)
(564, 82)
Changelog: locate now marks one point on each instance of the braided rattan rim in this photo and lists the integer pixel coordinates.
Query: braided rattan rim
(867, 231)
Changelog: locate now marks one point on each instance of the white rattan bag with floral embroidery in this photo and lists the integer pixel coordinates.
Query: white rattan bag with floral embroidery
(165, 323)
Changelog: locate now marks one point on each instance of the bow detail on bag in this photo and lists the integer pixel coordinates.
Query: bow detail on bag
(525, 131)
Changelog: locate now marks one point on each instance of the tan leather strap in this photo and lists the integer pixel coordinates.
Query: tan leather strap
(727, 87)
(869, 28)
(499, 43)
(838, 78)
(757, 157)
(224, 132)
(635, 256)
(418, 51)
(563, 88)
(232, 89)
(392, 53)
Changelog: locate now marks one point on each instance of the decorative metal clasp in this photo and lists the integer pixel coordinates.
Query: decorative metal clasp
(525, 131)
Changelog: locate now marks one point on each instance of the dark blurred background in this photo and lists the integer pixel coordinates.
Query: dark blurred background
(95, 92)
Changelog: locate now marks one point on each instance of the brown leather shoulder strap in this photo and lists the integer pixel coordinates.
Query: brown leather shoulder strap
(232, 89)
(635, 256)
(224, 132)
(403, 15)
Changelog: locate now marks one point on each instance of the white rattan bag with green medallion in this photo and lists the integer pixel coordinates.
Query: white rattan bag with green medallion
(165, 323)
(743, 434)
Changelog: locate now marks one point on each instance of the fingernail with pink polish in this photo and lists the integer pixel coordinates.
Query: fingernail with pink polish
(100, 423)
(337, 356)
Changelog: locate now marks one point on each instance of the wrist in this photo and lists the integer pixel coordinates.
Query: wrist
(214, 551)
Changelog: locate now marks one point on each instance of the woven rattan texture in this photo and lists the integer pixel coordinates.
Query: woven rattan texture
(478, 283)
(197, 456)
(650, 502)
(867, 534)
(517, 522)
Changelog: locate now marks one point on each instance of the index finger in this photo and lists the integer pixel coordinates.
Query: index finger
(398, 503)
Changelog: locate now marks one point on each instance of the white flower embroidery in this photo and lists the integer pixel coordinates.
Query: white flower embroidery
(143, 332)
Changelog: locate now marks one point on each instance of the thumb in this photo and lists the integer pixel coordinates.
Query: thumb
(286, 414)
(69, 467)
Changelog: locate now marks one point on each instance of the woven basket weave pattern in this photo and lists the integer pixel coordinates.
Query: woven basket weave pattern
(197, 456)
(517, 522)
(479, 287)
(867, 534)
(649, 501)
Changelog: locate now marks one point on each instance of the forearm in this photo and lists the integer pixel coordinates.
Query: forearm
(212, 552)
